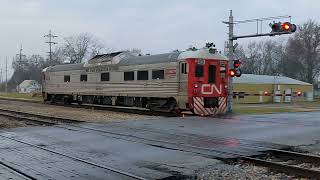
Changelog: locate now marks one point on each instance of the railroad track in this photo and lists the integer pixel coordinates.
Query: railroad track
(276, 159)
(133, 176)
(133, 110)
(278, 163)
(16, 171)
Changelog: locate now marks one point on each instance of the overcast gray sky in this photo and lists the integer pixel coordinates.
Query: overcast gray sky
(155, 26)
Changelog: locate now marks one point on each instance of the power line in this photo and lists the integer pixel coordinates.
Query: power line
(50, 37)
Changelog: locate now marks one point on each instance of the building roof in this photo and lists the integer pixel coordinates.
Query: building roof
(27, 83)
(265, 79)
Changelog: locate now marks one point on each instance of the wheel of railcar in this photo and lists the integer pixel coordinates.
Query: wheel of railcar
(173, 106)
(66, 100)
(52, 99)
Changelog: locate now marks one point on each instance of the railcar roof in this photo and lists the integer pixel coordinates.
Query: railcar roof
(64, 67)
(150, 59)
(127, 59)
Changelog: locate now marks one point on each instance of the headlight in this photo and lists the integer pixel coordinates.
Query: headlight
(196, 85)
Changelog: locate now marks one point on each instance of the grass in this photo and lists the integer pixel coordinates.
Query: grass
(302, 106)
(21, 96)
(260, 110)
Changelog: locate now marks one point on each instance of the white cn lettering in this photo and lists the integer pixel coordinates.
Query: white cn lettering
(212, 87)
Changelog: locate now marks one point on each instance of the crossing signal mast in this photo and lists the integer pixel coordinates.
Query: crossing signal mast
(278, 28)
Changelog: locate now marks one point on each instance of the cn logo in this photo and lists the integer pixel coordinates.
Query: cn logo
(212, 88)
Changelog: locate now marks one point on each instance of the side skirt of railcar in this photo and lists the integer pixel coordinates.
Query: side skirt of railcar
(152, 103)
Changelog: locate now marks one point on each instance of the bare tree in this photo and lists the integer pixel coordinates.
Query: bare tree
(29, 67)
(302, 56)
(261, 57)
(58, 56)
(84, 46)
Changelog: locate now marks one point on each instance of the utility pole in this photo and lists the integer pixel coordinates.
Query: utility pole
(230, 56)
(50, 37)
(6, 88)
(0, 75)
(277, 29)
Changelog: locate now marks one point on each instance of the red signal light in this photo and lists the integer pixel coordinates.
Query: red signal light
(266, 93)
(275, 27)
(232, 72)
(299, 93)
(286, 26)
(237, 63)
(283, 27)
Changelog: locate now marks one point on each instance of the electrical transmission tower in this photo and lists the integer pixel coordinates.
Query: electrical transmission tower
(20, 55)
(50, 37)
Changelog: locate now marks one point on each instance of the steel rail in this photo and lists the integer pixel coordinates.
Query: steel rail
(273, 165)
(17, 171)
(128, 174)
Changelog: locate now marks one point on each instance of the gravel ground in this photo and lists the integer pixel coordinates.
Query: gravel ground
(68, 112)
(6, 123)
(241, 172)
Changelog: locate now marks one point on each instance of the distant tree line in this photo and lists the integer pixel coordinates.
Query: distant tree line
(75, 49)
(298, 57)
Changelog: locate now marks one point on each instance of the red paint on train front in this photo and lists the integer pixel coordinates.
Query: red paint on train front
(207, 86)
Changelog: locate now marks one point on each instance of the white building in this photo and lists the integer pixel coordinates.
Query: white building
(28, 86)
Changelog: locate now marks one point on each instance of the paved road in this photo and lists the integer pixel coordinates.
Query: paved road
(152, 149)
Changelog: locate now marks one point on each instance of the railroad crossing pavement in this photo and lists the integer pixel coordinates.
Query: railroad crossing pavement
(152, 149)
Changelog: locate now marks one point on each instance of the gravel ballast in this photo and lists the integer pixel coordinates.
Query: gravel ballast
(81, 114)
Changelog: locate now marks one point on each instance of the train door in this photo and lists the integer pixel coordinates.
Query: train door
(183, 84)
(216, 77)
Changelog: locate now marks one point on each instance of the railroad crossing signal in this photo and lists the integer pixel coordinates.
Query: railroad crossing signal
(283, 27)
(236, 71)
(277, 29)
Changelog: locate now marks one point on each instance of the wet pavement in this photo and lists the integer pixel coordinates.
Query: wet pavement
(152, 149)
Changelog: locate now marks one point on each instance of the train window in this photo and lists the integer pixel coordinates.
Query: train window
(142, 75)
(157, 74)
(129, 76)
(199, 70)
(184, 68)
(66, 78)
(212, 74)
(105, 76)
(83, 77)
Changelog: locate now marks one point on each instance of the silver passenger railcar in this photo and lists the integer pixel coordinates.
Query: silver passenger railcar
(158, 82)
